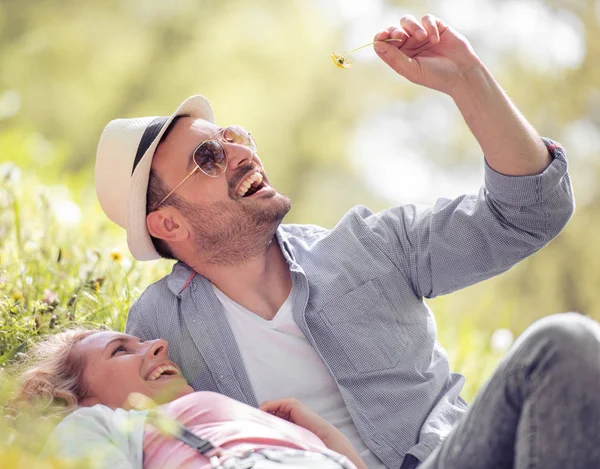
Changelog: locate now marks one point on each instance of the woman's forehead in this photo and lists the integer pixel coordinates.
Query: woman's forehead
(99, 340)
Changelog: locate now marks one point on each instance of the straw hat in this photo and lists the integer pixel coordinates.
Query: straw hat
(123, 163)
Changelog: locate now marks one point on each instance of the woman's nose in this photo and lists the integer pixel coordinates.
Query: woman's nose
(159, 347)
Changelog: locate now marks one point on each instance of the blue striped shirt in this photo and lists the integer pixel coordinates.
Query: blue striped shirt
(358, 292)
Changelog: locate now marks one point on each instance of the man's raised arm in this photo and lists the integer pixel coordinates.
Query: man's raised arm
(526, 199)
(434, 55)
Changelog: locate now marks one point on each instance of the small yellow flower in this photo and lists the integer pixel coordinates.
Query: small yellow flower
(94, 285)
(17, 296)
(340, 60)
(116, 256)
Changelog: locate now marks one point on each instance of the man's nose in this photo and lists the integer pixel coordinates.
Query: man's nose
(238, 155)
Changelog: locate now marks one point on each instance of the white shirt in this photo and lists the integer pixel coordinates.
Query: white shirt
(281, 362)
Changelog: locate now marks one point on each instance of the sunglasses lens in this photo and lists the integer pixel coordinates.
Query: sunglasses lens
(240, 136)
(210, 158)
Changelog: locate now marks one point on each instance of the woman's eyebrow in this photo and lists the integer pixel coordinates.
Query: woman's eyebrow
(112, 341)
(119, 339)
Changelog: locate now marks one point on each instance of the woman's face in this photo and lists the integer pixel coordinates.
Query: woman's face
(118, 364)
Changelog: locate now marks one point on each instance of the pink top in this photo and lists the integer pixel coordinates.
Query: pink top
(226, 423)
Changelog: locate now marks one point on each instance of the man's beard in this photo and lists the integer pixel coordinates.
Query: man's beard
(231, 233)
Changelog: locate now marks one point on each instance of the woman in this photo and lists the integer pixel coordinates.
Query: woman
(92, 374)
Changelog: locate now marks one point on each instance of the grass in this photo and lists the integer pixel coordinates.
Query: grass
(57, 272)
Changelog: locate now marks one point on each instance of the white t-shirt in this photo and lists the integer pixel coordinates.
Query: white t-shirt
(281, 362)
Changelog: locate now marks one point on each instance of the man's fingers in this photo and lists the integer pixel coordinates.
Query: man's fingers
(381, 35)
(430, 23)
(413, 27)
(397, 33)
(394, 57)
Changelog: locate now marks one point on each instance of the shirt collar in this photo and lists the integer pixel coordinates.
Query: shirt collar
(285, 245)
(179, 277)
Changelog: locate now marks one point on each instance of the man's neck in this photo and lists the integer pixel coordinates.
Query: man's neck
(261, 284)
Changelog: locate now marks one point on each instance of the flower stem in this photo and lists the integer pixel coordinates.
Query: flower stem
(371, 43)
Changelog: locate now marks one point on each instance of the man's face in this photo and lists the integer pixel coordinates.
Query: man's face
(228, 223)
(118, 364)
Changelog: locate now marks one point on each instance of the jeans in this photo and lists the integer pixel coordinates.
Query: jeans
(541, 408)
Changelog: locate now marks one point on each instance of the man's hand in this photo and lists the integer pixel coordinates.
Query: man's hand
(429, 53)
(432, 54)
(296, 412)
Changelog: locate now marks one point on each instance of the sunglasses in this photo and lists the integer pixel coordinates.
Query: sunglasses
(210, 156)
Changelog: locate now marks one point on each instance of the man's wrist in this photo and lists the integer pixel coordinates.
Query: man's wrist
(475, 83)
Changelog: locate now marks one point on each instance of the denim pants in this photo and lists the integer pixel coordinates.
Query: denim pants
(541, 408)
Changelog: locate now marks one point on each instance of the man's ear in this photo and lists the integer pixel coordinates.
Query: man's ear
(167, 224)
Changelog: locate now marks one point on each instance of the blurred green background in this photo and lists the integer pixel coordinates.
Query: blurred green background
(329, 139)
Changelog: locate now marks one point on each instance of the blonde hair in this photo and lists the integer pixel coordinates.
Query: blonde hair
(54, 377)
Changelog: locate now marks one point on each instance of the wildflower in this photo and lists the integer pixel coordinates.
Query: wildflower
(95, 284)
(342, 61)
(50, 297)
(17, 296)
(116, 256)
(72, 301)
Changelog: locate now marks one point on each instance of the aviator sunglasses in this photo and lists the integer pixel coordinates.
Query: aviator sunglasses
(210, 156)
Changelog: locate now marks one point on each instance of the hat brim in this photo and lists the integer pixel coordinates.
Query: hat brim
(138, 238)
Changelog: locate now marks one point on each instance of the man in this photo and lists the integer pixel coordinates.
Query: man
(259, 310)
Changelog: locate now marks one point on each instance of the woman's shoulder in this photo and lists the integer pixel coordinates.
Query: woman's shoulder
(100, 415)
(95, 411)
(117, 433)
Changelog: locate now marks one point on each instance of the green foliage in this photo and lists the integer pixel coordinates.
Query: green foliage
(53, 276)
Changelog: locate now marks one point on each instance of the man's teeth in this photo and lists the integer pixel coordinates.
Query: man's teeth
(253, 179)
(170, 369)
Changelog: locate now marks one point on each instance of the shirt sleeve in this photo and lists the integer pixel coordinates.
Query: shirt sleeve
(99, 436)
(459, 242)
